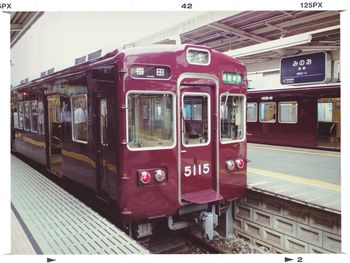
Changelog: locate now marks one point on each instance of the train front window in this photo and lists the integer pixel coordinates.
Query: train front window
(195, 119)
(150, 120)
(267, 112)
(232, 117)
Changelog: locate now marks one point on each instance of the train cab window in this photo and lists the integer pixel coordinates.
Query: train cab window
(267, 112)
(150, 120)
(20, 115)
(34, 116)
(252, 112)
(195, 119)
(80, 118)
(288, 112)
(232, 117)
(27, 116)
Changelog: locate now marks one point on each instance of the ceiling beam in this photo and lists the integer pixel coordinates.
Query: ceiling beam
(238, 32)
(16, 27)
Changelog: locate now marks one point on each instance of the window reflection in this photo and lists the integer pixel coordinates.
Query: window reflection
(150, 120)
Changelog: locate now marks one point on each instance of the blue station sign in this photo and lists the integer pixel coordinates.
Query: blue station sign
(308, 68)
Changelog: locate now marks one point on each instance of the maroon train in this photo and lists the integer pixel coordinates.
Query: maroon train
(300, 117)
(157, 132)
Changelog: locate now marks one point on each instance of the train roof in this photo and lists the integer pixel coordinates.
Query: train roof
(110, 58)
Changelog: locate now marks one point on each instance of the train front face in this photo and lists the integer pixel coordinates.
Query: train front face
(182, 127)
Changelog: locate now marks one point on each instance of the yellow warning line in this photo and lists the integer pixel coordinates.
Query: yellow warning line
(296, 151)
(295, 179)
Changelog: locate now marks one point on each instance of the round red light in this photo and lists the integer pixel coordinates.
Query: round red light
(240, 163)
(145, 177)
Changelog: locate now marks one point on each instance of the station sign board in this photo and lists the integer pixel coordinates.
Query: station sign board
(306, 69)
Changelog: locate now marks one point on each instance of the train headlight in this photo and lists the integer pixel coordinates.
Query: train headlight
(240, 163)
(190, 57)
(230, 165)
(198, 56)
(144, 177)
(159, 175)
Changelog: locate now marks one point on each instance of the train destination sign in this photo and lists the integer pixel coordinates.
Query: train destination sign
(309, 68)
(149, 72)
(233, 78)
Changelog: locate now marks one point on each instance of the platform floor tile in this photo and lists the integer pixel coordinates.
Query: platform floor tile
(58, 222)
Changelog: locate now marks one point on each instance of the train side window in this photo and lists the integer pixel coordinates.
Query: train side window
(252, 112)
(103, 121)
(232, 117)
(20, 115)
(288, 112)
(15, 116)
(27, 116)
(79, 118)
(34, 116)
(267, 112)
(150, 121)
(41, 126)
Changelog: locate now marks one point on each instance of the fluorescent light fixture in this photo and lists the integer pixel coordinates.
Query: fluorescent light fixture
(271, 45)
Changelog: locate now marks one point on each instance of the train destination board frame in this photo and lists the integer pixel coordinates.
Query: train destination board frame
(306, 69)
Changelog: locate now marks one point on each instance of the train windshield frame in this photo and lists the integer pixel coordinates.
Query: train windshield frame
(232, 119)
(154, 130)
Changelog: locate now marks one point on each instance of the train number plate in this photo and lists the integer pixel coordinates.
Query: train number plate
(198, 169)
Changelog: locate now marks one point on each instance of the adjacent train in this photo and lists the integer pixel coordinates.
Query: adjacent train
(157, 132)
(300, 116)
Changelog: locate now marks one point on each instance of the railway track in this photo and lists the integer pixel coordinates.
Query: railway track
(191, 241)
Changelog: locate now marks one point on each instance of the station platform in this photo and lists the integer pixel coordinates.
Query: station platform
(48, 220)
(310, 177)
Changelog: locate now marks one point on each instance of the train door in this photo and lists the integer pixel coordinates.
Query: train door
(102, 146)
(54, 135)
(328, 123)
(198, 165)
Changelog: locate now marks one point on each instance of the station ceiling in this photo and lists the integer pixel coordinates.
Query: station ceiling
(254, 27)
(241, 29)
(20, 23)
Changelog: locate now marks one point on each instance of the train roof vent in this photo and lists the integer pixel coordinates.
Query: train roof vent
(42, 74)
(80, 60)
(50, 71)
(95, 55)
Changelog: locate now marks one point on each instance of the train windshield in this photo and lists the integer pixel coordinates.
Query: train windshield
(232, 117)
(150, 120)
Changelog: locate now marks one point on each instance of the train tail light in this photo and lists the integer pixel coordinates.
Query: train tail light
(230, 165)
(240, 163)
(159, 175)
(144, 177)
